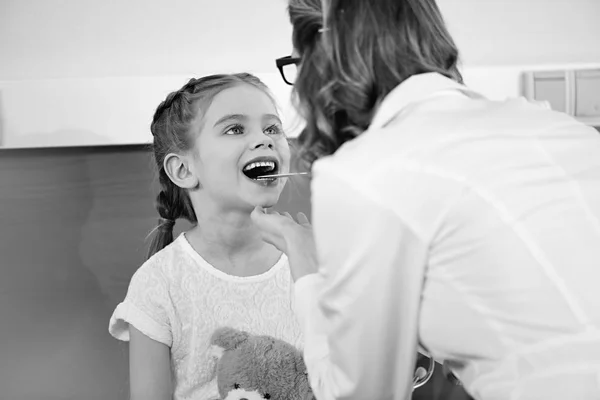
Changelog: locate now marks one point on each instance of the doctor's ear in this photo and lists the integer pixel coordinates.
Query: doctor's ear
(177, 167)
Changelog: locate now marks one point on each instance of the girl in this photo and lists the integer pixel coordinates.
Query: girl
(442, 218)
(212, 138)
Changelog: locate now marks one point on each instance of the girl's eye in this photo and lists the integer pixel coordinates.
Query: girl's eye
(273, 130)
(235, 130)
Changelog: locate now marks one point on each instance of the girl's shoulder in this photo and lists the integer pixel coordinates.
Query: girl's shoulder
(173, 259)
(179, 262)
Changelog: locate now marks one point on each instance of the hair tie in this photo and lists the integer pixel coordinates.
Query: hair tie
(321, 30)
(167, 224)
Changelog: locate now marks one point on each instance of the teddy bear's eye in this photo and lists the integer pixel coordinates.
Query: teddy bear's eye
(267, 396)
(236, 386)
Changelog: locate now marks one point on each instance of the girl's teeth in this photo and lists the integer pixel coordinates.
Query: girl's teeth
(260, 164)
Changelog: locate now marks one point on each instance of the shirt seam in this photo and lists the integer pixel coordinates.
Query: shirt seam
(576, 308)
(208, 268)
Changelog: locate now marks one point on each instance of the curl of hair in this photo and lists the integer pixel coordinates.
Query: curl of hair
(171, 134)
(367, 49)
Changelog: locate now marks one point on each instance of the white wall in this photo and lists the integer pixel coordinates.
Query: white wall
(100, 38)
(516, 32)
(92, 72)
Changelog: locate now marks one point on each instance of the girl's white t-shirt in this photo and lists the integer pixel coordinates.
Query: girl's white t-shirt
(179, 299)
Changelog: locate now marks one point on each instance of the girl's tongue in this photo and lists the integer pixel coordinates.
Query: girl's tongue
(254, 170)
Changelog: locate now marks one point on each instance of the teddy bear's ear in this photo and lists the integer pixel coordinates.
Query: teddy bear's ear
(216, 351)
(228, 338)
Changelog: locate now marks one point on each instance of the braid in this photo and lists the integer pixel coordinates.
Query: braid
(172, 203)
(170, 129)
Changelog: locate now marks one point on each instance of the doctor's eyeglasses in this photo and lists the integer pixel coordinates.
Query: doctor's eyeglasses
(288, 67)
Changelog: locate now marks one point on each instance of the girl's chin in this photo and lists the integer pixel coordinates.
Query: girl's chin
(265, 204)
(262, 198)
(265, 201)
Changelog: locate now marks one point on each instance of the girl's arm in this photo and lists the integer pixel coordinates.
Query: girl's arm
(149, 368)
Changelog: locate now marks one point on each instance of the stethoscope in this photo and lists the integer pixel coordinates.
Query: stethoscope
(420, 378)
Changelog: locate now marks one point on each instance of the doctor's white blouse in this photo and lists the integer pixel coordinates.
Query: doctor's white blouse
(466, 226)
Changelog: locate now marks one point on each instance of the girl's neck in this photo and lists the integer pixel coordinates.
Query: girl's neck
(231, 243)
(233, 232)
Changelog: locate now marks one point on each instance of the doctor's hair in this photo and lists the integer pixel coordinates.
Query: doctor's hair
(172, 134)
(351, 61)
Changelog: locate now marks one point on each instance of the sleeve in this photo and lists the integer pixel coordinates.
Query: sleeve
(146, 307)
(359, 312)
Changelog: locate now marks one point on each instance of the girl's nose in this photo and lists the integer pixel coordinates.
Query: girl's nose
(262, 141)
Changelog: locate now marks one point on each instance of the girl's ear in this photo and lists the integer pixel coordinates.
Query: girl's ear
(177, 168)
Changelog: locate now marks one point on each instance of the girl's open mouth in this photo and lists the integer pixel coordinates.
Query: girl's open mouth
(261, 166)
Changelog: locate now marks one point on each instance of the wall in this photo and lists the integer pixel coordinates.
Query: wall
(524, 32)
(87, 38)
(91, 72)
(98, 110)
(72, 232)
(42, 39)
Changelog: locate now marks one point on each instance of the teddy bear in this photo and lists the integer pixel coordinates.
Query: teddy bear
(257, 367)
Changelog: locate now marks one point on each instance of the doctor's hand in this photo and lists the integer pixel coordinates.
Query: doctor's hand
(293, 238)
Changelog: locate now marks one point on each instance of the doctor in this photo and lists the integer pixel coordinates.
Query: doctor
(441, 218)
